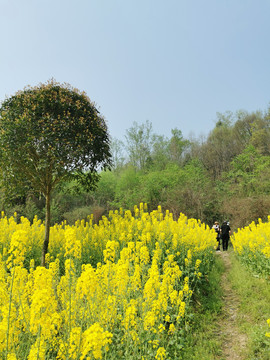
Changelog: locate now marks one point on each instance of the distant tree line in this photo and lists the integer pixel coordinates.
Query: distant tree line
(225, 175)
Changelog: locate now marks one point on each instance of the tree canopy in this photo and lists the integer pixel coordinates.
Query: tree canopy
(50, 133)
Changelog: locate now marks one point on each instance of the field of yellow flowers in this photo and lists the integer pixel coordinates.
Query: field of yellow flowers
(117, 290)
(252, 244)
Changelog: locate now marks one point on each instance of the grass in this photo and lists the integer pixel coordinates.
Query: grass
(253, 293)
(254, 309)
(203, 341)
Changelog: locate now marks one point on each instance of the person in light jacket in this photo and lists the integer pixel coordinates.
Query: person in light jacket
(216, 227)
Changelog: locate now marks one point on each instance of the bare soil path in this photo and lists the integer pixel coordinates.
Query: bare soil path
(234, 342)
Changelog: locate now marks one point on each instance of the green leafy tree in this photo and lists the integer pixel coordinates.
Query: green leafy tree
(261, 135)
(195, 191)
(178, 145)
(48, 134)
(139, 144)
(242, 129)
(105, 191)
(220, 148)
(128, 188)
(249, 174)
(117, 150)
(160, 152)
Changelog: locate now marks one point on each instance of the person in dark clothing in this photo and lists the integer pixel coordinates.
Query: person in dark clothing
(225, 235)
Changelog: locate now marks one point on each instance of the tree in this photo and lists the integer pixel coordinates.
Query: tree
(242, 129)
(48, 134)
(160, 152)
(261, 135)
(220, 147)
(118, 158)
(139, 144)
(249, 174)
(178, 145)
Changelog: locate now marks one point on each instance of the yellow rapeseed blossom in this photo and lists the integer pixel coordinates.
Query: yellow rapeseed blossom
(252, 244)
(38, 350)
(72, 245)
(161, 353)
(129, 320)
(17, 248)
(12, 356)
(105, 286)
(95, 340)
(171, 329)
(268, 333)
(110, 251)
(44, 316)
(181, 310)
(71, 350)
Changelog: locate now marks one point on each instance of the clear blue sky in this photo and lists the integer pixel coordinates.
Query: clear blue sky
(175, 63)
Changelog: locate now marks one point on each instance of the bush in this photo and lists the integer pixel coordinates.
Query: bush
(82, 213)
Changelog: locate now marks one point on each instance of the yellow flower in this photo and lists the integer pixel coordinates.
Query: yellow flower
(171, 329)
(161, 353)
(268, 333)
(38, 350)
(12, 356)
(95, 339)
(17, 248)
(130, 316)
(167, 318)
(73, 245)
(181, 312)
(197, 264)
(161, 328)
(134, 290)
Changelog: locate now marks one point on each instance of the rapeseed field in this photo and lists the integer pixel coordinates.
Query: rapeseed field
(120, 289)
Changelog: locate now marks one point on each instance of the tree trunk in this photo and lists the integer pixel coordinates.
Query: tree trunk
(47, 228)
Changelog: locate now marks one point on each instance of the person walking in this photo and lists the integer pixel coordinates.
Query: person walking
(225, 235)
(216, 227)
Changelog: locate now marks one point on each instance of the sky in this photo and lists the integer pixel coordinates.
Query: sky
(174, 63)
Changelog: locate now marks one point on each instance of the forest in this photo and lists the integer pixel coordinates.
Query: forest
(222, 176)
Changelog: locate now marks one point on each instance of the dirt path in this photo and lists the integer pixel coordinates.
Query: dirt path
(234, 342)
